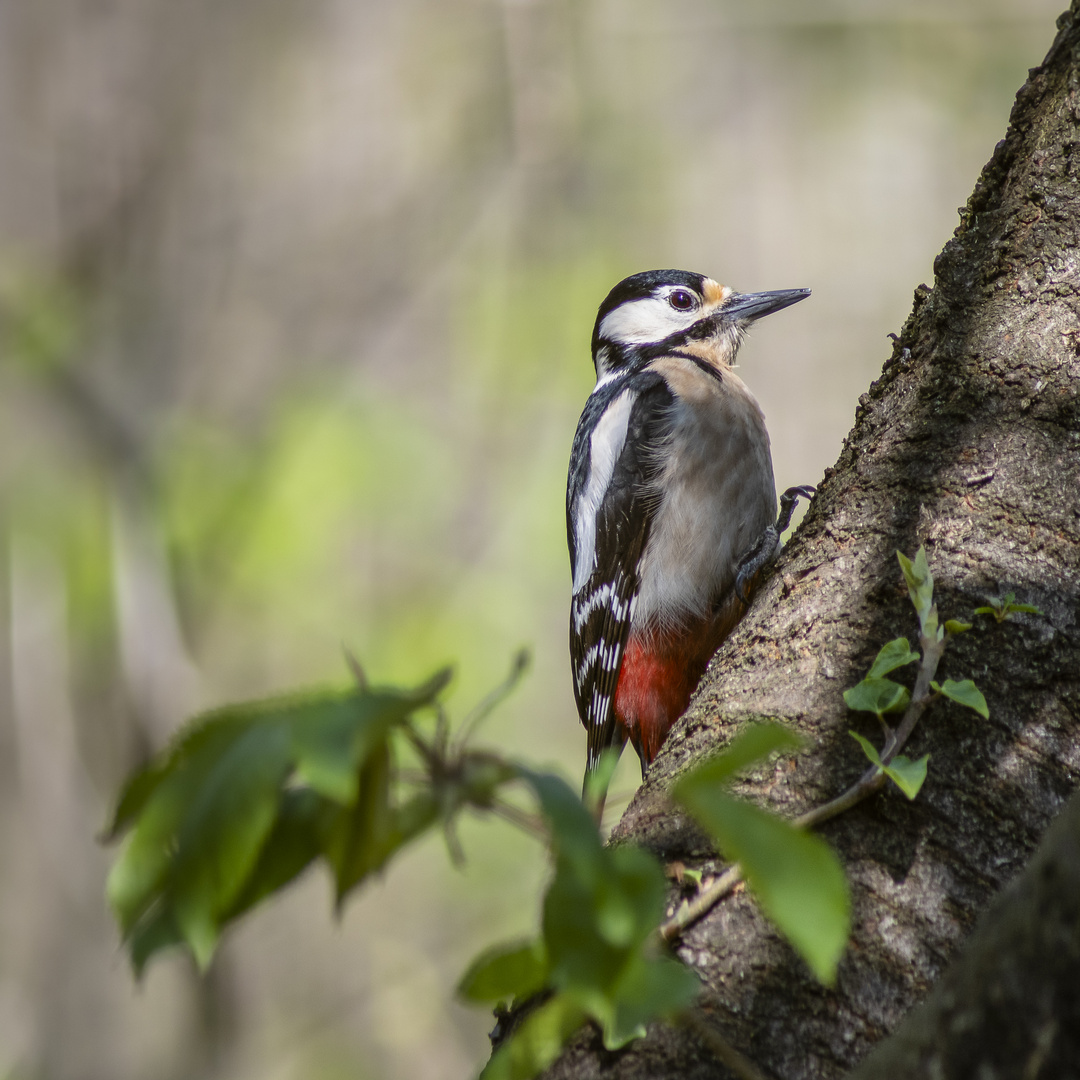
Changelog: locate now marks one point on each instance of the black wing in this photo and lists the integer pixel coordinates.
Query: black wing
(603, 603)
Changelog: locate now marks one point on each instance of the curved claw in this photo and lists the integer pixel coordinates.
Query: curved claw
(789, 500)
(766, 548)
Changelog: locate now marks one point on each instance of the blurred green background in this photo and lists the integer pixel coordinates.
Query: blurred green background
(295, 304)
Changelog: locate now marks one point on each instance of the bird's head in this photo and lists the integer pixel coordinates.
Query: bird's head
(659, 310)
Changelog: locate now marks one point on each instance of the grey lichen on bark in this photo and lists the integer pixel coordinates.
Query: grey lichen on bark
(969, 444)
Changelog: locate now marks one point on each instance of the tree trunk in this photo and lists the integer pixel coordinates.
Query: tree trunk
(969, 444)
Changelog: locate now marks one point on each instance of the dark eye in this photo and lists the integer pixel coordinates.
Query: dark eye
(681, 300)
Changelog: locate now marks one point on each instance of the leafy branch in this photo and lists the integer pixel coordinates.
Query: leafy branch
(882, 697)
(251, 795)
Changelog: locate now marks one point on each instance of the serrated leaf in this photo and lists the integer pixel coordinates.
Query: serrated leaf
(214, 828)
(906, 774)
(878, 696)
(202, 826)
(333, 733)
(751, 744)
(955, 626)
(920, 582)
(225, 823)
(505, 972)
(137, 876)
(896, 654)
(965, 693)
(134, 796)
(794, 874)
(329, 741)
(537, 1042)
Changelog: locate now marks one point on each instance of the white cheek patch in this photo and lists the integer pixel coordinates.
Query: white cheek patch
(638, 322)
(605, 446)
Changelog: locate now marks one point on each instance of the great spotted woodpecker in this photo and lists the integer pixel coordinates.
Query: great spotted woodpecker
(670, 502)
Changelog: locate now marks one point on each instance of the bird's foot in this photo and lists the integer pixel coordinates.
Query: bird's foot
(788, 501)
(754, 561)
(765, 550)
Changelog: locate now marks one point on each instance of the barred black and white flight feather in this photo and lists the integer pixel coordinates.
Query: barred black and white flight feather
(611, 503)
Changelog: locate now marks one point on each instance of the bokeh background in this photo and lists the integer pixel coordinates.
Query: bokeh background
(295, 302)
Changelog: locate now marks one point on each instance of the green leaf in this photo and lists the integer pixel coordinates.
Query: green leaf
(964, 693)
(294, 842)
(574, 833)
(155, 933)
(1004, 606)
(954, 626)
(892, 656)
(920, 583)
(201, 825)
(649, 988)
(598, 780)
(134, 796)
(333, 733)
(505, 972)
(414, 816)
(878, 696)
(362, 838)
(579, 954)
(906, 774)
(599, 913)
(794, 874)
(137, 876)
(214, 828)
(330, 737)
(226, 821)
(751, 744)
(537, 1042)
(630, 899)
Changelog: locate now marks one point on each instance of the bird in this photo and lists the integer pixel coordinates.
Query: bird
(671, 508)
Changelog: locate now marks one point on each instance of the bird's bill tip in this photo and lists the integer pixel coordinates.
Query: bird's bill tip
(749, 306)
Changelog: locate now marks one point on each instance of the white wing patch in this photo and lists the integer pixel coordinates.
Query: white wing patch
(605, 446)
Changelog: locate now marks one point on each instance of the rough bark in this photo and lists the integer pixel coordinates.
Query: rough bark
(1010, 1006)
(968, 443)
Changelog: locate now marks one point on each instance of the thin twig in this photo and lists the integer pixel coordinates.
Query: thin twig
(480, 712)
(692, 910)
(533, 824)
(871, 781)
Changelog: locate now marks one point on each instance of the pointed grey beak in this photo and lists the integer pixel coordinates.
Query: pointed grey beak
(746, 307)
